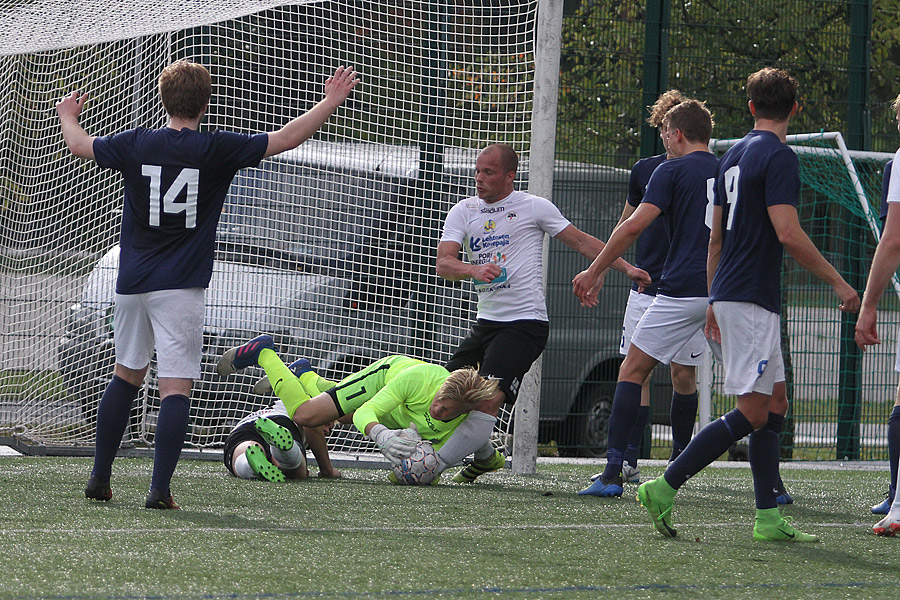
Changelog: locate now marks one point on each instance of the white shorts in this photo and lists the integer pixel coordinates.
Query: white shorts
(169, 320)
(751, 347)
(691, 354)
(673, 327)
(897, 361)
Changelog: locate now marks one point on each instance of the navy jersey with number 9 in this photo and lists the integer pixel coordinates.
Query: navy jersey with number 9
(175, 185)
(757, 172)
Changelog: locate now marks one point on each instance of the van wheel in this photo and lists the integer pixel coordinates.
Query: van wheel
(586, 429)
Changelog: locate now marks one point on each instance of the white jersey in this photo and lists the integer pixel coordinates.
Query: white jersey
(510, 233)
(276, 409)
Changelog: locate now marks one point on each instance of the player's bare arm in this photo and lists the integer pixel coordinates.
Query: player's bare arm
(787, 226)
(590, 247)
(77, 139)
(587, 284)
(451, 268)
(711, 330)
(884, 265)
(297, 131)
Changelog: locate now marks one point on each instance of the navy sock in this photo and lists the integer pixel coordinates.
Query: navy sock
(764, 461)
(171, 429)
(112, 419)
(709, 444)
(637, 435)
(894, 445)
(626, 403)
(682, 415)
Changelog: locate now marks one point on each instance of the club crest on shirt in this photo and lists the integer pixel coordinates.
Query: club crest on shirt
(511, 217)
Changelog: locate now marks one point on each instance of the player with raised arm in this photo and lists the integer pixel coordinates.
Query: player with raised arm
(175, 181)
(650, 255)
(501, 232)
(396, 401)
(754, 219)
(678, 193)
(884, 265)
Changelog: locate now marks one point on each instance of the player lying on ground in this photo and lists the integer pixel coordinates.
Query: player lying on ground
(395, 401)
(266, 444)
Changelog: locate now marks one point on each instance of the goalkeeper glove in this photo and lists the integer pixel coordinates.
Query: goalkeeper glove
(395, 444)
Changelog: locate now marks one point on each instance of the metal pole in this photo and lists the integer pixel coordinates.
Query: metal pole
(540, 182)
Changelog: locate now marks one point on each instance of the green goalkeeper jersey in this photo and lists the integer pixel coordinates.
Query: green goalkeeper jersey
(404, 398)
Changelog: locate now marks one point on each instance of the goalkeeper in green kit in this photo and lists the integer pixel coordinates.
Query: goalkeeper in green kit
(396, 401)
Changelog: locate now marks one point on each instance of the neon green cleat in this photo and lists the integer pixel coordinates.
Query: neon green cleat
(262, 466)
(479, 467)
(770, 526)
(274, 434)
(658, 501)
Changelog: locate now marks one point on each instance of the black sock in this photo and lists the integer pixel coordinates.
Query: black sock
(626, 403)
(682, 416)
(171, 429)
(112, 419)
(637, 435)
(764, 460)
(709, 444)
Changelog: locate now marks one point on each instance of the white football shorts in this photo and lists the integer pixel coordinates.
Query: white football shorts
(673, 327)
(169, 320)
(751, 347)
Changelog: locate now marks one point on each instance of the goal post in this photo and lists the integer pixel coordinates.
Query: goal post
(329, 247)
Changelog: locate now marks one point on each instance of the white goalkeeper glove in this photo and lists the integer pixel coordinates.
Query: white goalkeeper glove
(395, 444)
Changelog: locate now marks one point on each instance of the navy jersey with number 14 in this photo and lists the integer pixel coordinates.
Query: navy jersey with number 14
(175, 185)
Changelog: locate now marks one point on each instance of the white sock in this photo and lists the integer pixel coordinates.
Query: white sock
(289, 460)
(242, 468)
(471, 435)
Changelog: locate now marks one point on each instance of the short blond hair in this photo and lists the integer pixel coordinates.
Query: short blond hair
(467, 389)
(895, 105)
(185, 88)
(662, 105)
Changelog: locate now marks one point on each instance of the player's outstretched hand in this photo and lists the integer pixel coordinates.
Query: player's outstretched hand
(394, 447)
(866, 333)
(339, 85)
(849, 298)
(71, 105)
(586, 287)
(640, 277)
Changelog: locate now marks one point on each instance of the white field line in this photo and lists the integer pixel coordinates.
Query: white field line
(328, 531)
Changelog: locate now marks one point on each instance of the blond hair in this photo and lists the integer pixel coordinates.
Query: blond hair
(895, 105)
(662, 105)
(466, 389)
(185, 88)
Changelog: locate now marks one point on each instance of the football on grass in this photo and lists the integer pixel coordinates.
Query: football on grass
(419, 469)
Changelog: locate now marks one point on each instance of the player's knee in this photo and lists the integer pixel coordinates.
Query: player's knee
(684, 379)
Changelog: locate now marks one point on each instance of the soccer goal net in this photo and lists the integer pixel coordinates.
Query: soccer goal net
(838, 398)
(329, 248)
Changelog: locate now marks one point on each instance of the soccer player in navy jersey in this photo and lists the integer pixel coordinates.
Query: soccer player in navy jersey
(884, 265)
(650, 255)
(175, 180)
(678, 193)
(754, 219)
